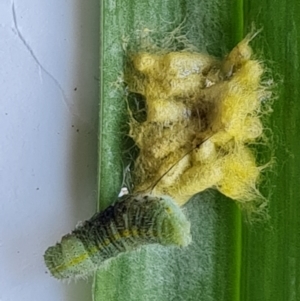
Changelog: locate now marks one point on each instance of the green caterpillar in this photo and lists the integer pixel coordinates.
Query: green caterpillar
(131, 222)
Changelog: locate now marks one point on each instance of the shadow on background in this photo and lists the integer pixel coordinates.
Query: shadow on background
(84, 127)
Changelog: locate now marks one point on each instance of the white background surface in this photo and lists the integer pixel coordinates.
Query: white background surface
(49, 53)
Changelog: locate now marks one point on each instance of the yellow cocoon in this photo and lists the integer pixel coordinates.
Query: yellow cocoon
(202, 115)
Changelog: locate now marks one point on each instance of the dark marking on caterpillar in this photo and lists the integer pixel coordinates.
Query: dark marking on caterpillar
(133, 221)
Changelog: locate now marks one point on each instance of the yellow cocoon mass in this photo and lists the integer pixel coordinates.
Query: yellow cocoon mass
(202, 116)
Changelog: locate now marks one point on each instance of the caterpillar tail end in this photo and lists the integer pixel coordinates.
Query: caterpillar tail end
(68, 259)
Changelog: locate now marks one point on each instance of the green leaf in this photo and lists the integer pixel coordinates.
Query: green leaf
(207, 269)
(271, 252)
(228, 260)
